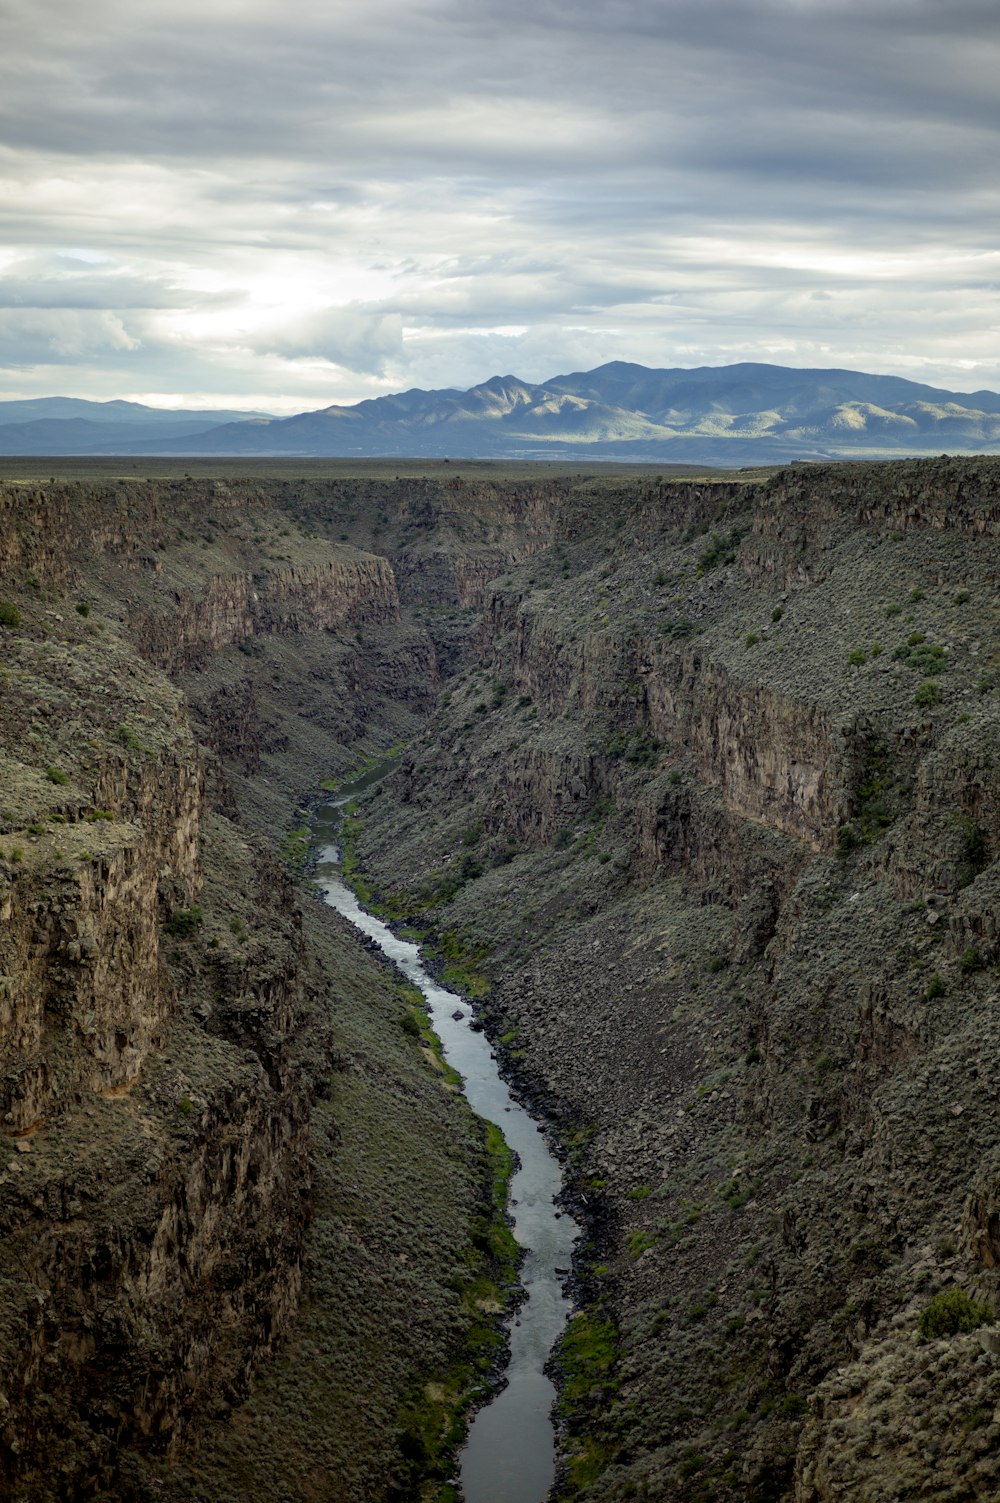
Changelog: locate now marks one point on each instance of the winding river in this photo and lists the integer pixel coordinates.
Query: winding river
(509, 1456)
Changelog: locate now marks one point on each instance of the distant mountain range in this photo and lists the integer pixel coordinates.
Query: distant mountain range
(70, 425)
(735, 414)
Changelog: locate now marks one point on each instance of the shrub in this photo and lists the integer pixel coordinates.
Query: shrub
(777, 613)
(184, 921)
(970, 960)
(128, 738)
(962, 597)
(847, 840)
(9, 614)
(922, 656)
(974, 854)
(928, 694)
(857, 657)
(637, 747)
(83, 609)
(952, 1311)
(934, 988)
(720, 551)
(678, 630)
(56, 775)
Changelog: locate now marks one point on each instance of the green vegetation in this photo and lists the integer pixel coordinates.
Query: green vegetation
(432, 1418)
(882, 791)
(951, 1312)
(638, 748)
(462, 964)
(720, 551)
(184, 921)
(56, 775)
(295, 847)
(587, 1357)
(927, 695)
(974, 854)
(678, 630)
(9, 614)
(922, 656)
(128, 738)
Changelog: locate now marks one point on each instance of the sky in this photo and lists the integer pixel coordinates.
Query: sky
(251, 204)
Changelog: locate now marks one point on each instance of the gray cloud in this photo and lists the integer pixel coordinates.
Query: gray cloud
(213, 198)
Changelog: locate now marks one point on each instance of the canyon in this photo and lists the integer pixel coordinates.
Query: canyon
(699, 794)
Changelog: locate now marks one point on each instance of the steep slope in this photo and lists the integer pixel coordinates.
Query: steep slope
(720, 802)
(200, 1083)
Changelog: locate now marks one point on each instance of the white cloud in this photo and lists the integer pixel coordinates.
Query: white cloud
(284, 208)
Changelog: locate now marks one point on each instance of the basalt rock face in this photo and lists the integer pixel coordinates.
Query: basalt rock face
(154, 1109)
(231, 609)
(164, 1029)
(719, 798)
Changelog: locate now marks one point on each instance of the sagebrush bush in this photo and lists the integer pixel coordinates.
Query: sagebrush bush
(950, 1312)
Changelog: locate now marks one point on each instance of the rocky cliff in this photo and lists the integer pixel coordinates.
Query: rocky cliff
(169, 1038)
(719, 799)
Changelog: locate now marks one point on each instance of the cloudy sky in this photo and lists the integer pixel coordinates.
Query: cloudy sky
(260, 204)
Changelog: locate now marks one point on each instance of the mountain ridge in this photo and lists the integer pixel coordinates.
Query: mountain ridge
(746, 413)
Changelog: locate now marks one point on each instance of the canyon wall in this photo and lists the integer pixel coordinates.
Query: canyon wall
(718, 799)
(165, 1033)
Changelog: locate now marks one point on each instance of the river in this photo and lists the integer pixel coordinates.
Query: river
(509, 1456)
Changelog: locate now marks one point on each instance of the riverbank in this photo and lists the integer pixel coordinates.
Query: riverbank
(509, 1456)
